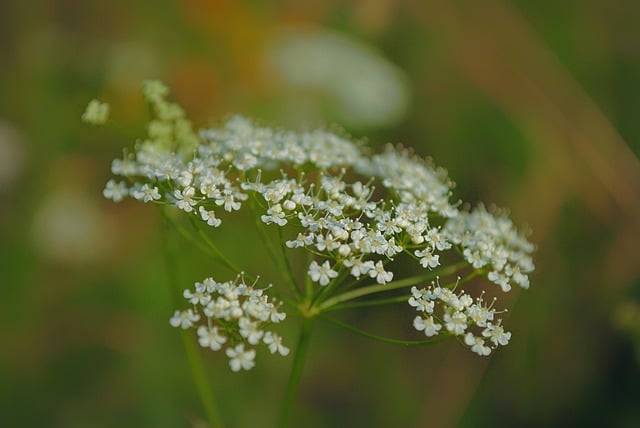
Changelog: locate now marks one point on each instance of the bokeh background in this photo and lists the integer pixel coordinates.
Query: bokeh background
(529, 105)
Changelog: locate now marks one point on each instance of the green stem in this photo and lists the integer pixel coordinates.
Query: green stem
(200, 379)
(195, 362)
(224, 259)
(283, 263)
(287, 265)
(362, 304)
(186, 235)
(296, 371)
(329, 288)
(378, 288)
(349, 327)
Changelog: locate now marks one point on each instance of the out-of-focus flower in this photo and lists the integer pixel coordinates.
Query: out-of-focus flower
(96, 113)
(363, 88)
(70, 228)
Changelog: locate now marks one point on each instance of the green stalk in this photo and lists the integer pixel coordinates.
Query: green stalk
(356, 330)
(296, 371)
(195, 363)
(186, 235)
(378, 288)
(287, 265)
(283, 263)
(329, 288)
(200, 378)
(368, 303)
(224, 259)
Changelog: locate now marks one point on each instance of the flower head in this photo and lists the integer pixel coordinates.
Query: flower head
(353, 212)
(231, 313)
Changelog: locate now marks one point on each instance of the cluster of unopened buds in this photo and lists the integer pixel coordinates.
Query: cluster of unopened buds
(354, 214)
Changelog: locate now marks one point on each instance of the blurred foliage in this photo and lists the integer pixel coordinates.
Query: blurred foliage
(531, 105)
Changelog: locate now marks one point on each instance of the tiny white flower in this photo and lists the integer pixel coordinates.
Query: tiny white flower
(245, 162)
(449, 297)
(185, 198)
(392, 248)
(437, 239)
(229, 199)
(475, 258)
(200, 296)
(185, 178)
(211, 285)
(465, 300)
(428, 259)
(301, 240)
(124, 167)
(456, 323)
(289, 205)
(274, 215)
(145, 193)
(241, 359)
(184, 319)
(428, 325)
(496, 334)
(274, 342)
(382, 276)
(250, 330)
(420, 301)
(322, 274)
(479, 314)
(358, 267)
(515, 272)
(256, 309)
(477, 345)
(501, 279)
(210, 338)
(328, 242)
(115, 191)
(344, 250)
(209, 217)
(276, 316)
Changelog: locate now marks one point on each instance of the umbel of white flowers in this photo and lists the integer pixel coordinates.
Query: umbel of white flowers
(355, 212)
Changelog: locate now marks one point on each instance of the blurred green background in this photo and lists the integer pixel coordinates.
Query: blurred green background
(529, 105)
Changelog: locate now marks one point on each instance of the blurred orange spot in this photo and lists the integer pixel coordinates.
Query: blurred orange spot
(196, 86)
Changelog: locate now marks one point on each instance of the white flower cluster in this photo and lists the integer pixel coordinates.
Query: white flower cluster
(440, 307)
(491, 241)
(354, 212)
(232, 312)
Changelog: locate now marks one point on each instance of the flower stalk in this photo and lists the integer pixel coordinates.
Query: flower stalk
(201, 381)
(295, 375)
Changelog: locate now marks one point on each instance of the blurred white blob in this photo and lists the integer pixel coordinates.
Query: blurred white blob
(365, 89)
(12, 155)
(70, 228)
